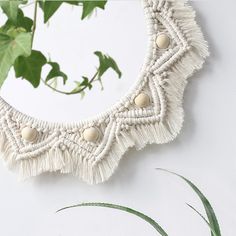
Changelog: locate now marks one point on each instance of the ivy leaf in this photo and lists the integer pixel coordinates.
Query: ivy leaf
(10, 49)
(90, 6)
(30, 67)
(105, 63)
(10, 8)
(56, 72)
(49, 8)
(13, 32)
(78, 88)
(85, 83)
(22, 22)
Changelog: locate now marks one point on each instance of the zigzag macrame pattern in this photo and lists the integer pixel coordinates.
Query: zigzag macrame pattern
(150, 113)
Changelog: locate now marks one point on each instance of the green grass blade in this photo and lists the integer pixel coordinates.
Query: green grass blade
(149, 220)
(213, 222)
(194, 209)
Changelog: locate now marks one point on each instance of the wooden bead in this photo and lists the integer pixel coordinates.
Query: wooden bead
(163, 41)
(142, 100)
(29, 134)
(91, 134)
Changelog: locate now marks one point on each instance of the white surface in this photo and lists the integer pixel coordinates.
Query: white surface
(204, 152)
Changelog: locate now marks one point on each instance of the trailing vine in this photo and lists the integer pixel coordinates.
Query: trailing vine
(17, 46)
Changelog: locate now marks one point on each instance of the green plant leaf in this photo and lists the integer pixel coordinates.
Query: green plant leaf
(78, 89)
(10, 49)
(49, 8)
(22, 22)
(86, 83)
(8, 25)
(56, 72)
(89, 6)
(10, 8)
(77, 86)
(207, 206)
(204, 219)
(105, 63)
(149, 220)
(30, 67)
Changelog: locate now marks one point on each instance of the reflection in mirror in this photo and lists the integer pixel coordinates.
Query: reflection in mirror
(119, 30)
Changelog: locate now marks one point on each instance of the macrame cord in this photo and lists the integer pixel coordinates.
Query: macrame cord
(151, 112)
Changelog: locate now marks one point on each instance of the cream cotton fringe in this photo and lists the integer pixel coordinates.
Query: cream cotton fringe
(61, 147)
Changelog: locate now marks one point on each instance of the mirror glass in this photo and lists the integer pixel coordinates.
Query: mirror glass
(119, 31)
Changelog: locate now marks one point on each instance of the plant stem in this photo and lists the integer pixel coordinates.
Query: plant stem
(73, 92)
(34, 22)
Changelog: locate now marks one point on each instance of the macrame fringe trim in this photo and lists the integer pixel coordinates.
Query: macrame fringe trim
(138, 136)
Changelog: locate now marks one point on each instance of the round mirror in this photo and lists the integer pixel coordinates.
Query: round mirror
(119, 31)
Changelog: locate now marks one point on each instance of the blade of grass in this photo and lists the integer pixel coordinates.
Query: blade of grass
(194, 209)
(149, 220)
(207, 206)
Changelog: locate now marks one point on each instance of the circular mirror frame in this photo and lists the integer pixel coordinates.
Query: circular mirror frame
(151, 112)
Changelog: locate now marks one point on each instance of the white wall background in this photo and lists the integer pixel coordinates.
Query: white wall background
(204, 152)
